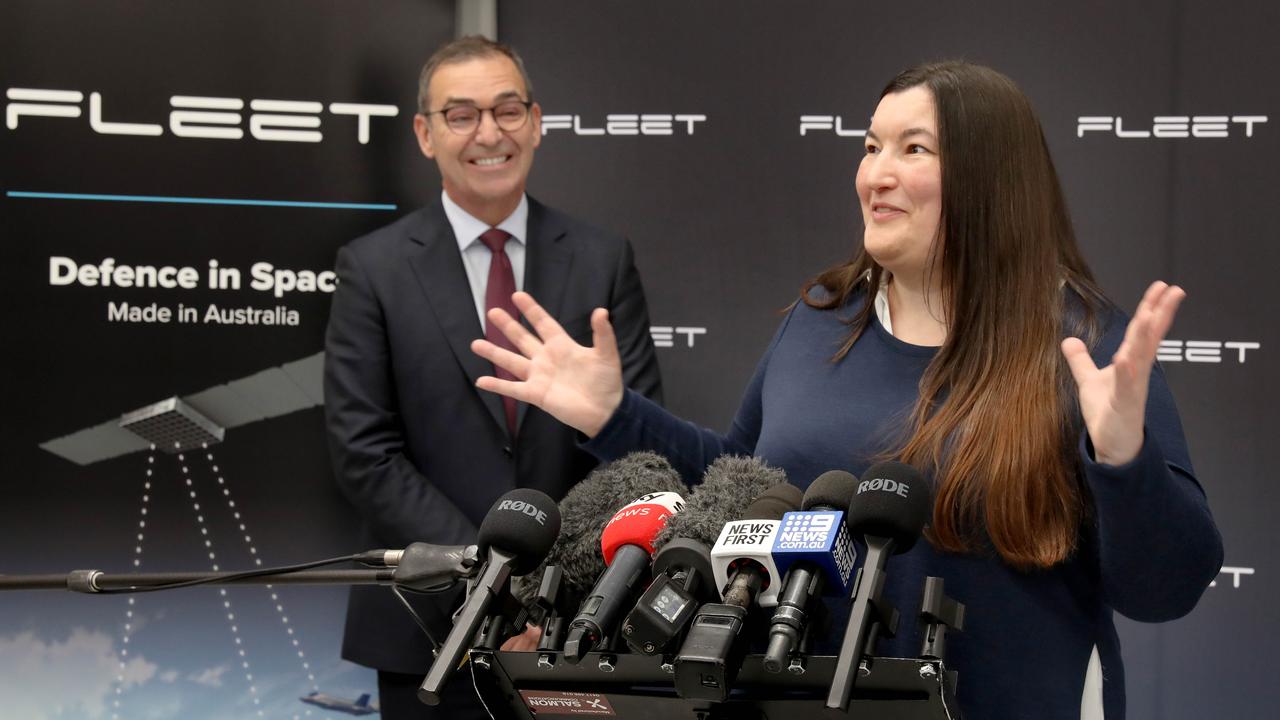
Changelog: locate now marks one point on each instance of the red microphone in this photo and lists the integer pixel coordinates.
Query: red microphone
(627, 544)
(638, 523)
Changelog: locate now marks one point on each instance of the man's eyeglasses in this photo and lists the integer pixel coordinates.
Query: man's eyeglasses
(510, 115)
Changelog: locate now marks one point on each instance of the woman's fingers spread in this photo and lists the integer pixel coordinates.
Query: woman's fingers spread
(511, 388)
(1151, 322)
(602, 337)
(1138, 324)
(1082, 367)
(524, 341)
(1167, 310)
(541, 320)
(513, 363)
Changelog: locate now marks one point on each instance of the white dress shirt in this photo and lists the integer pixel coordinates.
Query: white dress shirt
(476, 256)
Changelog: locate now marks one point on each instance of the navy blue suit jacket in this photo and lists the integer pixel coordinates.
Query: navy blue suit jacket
(417, 449)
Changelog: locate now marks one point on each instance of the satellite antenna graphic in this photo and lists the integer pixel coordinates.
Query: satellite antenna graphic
(201, 418)
(171, 425)
(186, 428)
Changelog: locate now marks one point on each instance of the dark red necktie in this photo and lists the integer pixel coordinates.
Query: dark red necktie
(497, 294)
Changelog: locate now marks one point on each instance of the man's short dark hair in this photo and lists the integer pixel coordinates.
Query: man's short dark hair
(471, 47)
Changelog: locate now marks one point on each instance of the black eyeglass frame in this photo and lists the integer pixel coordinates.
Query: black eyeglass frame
(480, 111)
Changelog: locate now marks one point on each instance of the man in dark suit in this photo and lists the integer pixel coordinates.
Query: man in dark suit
(419, 451)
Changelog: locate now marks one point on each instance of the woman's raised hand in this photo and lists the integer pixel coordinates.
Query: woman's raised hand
(579, 386)
(1113, 399)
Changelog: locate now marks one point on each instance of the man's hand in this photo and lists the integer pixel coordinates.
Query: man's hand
(526, 641)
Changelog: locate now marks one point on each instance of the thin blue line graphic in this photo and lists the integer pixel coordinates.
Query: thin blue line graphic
(199, 200)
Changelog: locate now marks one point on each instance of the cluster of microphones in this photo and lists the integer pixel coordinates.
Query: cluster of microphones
(626, 563)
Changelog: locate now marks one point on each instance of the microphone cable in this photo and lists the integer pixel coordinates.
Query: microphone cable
(286, 570)
(232, 577)
(435, 644)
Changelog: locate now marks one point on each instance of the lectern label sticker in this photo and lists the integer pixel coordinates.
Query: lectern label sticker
(549, 702)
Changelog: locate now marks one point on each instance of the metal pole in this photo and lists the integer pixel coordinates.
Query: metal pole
(476, 17)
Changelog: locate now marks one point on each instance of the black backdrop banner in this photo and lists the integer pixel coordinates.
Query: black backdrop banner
(208, 159)
(231, 148)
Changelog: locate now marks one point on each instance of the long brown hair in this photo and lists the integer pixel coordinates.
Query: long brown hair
(995, 420)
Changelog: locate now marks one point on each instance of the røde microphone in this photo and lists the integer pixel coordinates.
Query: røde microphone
(889, 508)
(682, 575)
(814, 553)
(626, 543)
(585, 510)
(711, 654)
(514, 537)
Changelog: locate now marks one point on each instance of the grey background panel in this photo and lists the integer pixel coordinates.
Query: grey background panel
(729, 222)
(295, 386)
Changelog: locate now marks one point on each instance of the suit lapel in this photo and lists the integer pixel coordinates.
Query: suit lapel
(548, 257)
(437, 264)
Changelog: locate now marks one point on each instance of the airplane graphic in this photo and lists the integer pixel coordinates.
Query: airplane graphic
(329, 702)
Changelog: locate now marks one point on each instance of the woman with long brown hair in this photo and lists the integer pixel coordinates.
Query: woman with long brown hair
(965, 337)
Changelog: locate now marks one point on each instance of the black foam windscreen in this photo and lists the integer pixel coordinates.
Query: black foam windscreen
(728, 488)
(833, 488)
(774, 503)
(524, 522)
(892, 500)
(586, 509)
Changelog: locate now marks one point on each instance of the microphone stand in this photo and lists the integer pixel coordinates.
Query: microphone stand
(637, 685)
(98, 582)
(418, 568)
(870, 617)
(493, 583)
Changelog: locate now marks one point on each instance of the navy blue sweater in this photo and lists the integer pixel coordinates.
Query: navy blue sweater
(1148, 552)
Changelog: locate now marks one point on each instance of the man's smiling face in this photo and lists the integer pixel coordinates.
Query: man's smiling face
(483, 171)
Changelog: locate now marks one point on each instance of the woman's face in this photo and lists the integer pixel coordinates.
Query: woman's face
(900, 182)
